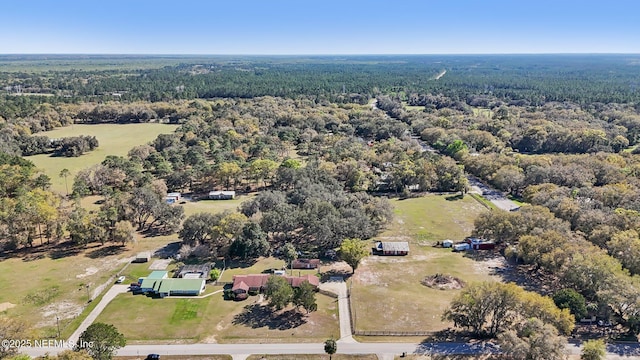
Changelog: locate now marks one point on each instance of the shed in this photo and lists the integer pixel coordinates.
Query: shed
(222, 195)
(143, 257)
(175, 195)
(481, 244)
(395, 248)
(447, 243)
(305, 263)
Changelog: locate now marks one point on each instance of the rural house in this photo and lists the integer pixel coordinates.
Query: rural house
(243, 284)
(305, 263)
(222, 195)
(397, 248)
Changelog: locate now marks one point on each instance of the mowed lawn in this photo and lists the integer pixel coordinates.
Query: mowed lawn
(213, 319)
(386, 290)
(114, 139)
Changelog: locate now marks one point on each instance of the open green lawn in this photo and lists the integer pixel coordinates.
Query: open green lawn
(114, 139)
(214, 206)
(386, 291)
(212, 319)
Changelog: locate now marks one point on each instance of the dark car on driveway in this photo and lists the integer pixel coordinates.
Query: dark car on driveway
(153, 357)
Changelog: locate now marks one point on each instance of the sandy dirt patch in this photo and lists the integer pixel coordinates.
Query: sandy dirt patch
(61, 309)
(88, 272)
(443, 282)
(6, 306)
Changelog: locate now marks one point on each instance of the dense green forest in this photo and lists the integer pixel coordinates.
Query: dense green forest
(326, 139)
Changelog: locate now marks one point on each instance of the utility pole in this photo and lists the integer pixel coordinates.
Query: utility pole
(58, 323)
(88, 295)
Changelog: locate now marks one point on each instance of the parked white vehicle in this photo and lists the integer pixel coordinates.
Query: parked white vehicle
(461, 247)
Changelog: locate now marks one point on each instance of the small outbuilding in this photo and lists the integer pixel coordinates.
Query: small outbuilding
(447, 243)
(481, 244)
(173, 197)
(222, 195)
(394, 248)
(142, 257)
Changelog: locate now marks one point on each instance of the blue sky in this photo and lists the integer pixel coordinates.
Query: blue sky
(319, 27)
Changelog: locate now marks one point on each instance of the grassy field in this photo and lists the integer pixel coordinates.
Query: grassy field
(114, 139)
(212, 319)
(193, 207)
(57, 280)
(391, 285)
(412, 107)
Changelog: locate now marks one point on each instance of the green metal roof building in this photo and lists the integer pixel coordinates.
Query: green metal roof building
(158, 274)
(158, 283)
(178, 287)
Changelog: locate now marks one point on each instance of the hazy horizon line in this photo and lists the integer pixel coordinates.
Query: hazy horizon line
(313, 54)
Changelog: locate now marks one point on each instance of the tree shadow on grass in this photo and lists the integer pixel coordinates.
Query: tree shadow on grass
(63, 252)
(106, 251)
(454, 197)
(257, 316)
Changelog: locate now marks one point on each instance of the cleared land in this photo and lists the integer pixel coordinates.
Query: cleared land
(386, 290)
(114, 139)
(58, 279)
(213, 320)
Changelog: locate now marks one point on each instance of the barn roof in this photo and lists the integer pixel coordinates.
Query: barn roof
(394, 246)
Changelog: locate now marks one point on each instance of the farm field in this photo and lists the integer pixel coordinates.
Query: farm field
(391, 284)
(114, 139)
(213, 319)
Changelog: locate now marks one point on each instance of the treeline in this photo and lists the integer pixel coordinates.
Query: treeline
(30, 213)
(69, 146)
(242, 144)
(533, 79)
